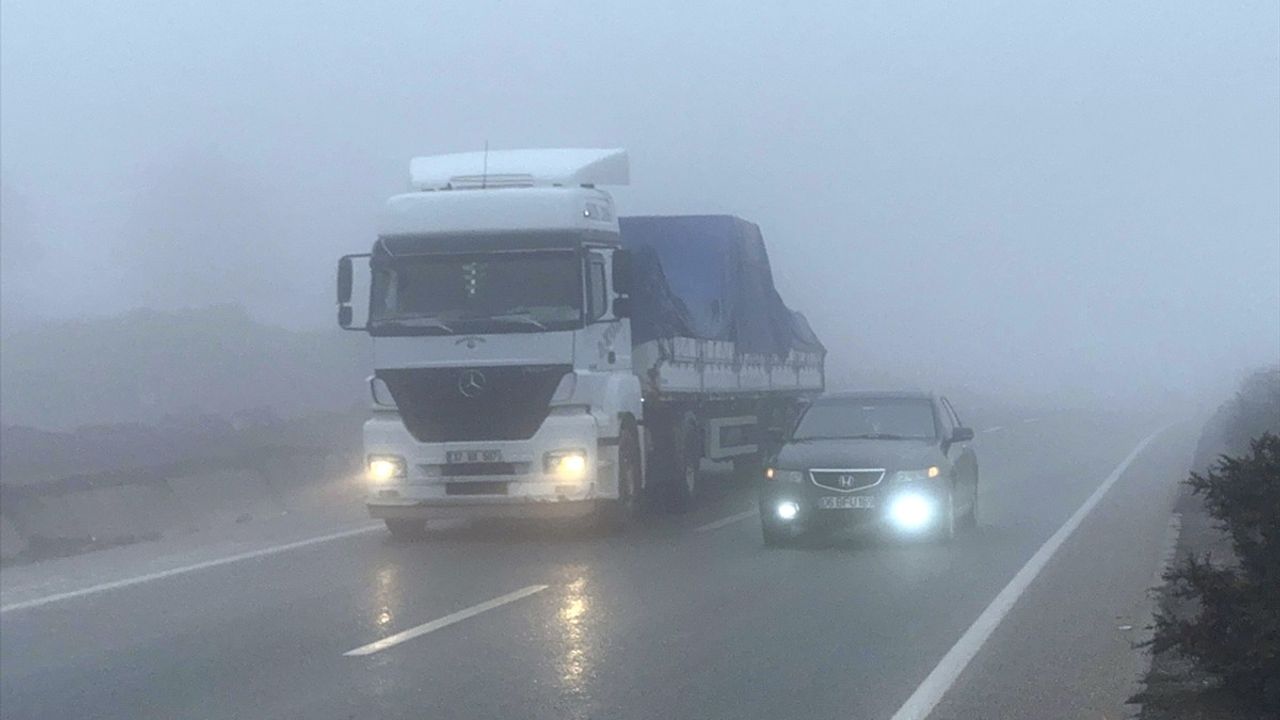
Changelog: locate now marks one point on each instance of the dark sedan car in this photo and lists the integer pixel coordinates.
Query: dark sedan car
(900, 461)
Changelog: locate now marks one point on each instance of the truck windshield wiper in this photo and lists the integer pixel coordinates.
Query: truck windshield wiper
(519, 317)
(413, 322)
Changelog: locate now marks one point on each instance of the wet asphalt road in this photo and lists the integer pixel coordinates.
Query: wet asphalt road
(670, 620)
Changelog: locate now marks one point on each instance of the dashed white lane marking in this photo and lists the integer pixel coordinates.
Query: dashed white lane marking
(996, 428)
(1028, 421)
(126, 582)
(446, 621)
(938, 682)
(727, 521)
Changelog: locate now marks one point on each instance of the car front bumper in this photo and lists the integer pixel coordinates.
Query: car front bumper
(926, 497)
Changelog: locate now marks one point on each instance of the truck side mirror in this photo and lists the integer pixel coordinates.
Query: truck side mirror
(622, 307)
(346, 277)
(621, 272)
(344, 280)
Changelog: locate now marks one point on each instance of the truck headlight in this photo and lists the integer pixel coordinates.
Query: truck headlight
(787, 476)
(930, 472)
(568, 464)
(385, 468)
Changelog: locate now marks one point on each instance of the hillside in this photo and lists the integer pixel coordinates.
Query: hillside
(144, 365)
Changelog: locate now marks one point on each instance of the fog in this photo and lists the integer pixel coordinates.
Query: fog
(1080, 199)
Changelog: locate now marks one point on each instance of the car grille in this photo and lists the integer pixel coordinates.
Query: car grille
(475, 403)
(847, 480)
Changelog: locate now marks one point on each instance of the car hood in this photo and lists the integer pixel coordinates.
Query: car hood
(861, 453)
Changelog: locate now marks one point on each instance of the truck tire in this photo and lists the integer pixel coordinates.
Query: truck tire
(406, 529)
(684, 462)
(748, 469)
(614, 515)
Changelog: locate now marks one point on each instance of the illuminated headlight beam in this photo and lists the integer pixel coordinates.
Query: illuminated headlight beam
(911, 511)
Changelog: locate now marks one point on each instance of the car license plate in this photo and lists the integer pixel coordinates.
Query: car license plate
(472, 456)
(847, 502)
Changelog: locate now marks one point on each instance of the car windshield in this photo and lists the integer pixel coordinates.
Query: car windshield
(481, 292)
(876, 418)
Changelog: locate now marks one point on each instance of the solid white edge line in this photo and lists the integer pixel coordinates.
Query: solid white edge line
(938, 682)
(447, 620)
(726, 521)
(127, 582)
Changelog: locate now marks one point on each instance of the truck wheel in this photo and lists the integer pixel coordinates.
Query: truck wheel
(684, 461)
(406, 529)
(748, 469)
(615, 514)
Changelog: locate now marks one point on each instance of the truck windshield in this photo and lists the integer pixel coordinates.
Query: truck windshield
(484, 292)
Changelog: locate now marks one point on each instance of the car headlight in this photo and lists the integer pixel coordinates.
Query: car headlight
(788, 476)
(912, 511)
(566, 464)
(385, 468)
(930, 472)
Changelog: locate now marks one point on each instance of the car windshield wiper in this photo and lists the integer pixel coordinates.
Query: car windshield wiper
(862, 436)
(518, 317)
(415, 322)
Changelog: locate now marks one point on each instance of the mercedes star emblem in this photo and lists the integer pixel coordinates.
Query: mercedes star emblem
(472, 383)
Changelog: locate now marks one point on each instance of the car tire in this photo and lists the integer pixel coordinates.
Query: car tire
(946, 531)
(774, 536)
(970, 519)
(406, 529)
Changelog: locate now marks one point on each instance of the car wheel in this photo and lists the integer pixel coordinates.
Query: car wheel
(970, 520)
(406, 529)
(774, 536)
(946, 531)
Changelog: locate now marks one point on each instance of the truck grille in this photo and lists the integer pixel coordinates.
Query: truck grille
(478, 403)
(847, 480)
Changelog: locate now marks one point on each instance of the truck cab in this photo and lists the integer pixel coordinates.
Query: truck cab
(497, 309)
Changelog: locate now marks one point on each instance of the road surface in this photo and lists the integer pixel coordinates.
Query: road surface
(1031, 616)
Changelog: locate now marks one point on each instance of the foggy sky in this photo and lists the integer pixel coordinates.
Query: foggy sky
(1076, 196)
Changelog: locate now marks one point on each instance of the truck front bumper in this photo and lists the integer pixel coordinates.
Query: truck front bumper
(481, 508)
(434, 487)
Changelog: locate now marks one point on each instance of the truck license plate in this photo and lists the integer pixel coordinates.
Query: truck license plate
(472, 456)
(847, 502)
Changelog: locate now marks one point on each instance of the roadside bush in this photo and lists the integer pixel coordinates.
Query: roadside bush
(1236, 633)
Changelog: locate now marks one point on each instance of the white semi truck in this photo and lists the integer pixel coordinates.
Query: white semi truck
(534, 355)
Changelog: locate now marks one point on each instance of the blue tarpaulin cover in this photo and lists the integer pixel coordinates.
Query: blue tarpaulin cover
(708, 277)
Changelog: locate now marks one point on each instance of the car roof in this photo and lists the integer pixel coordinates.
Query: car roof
(876, 395)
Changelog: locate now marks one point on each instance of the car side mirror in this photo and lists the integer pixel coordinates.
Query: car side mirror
(961, 434)
(622, 307)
